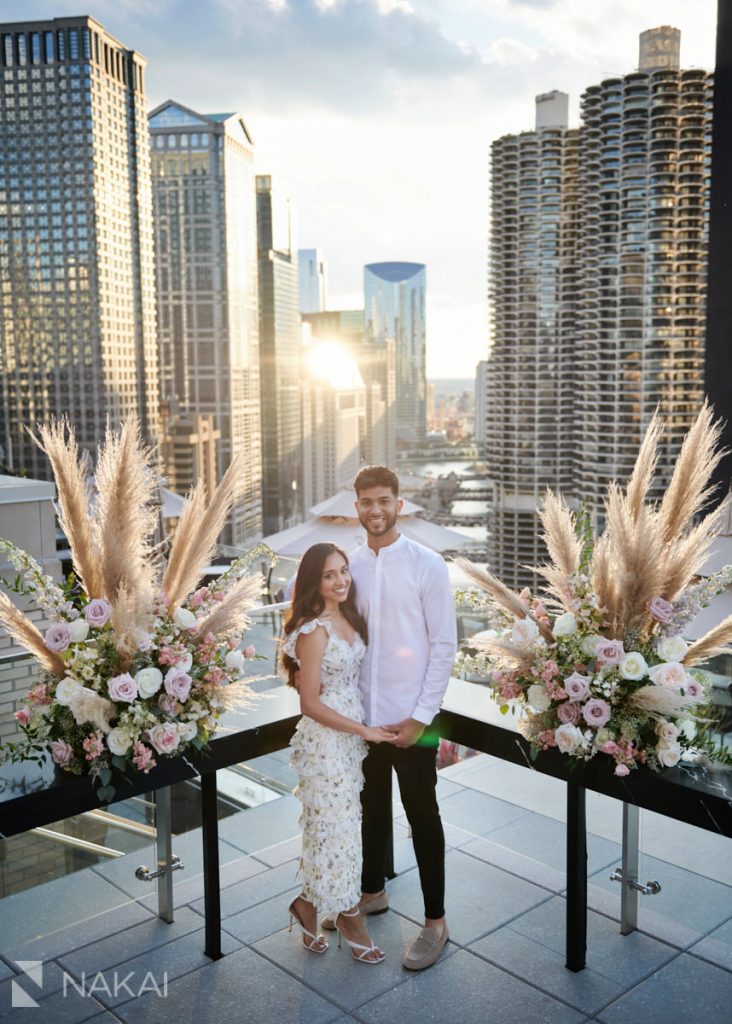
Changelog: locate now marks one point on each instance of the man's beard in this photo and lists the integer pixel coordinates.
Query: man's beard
(389, 522)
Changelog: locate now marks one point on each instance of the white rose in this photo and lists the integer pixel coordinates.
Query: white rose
(67, 691)
(538, 698)
(235, 661)
(589, 645)
(149, 680)
(119, 741)
(668, 754)
(568, 738)
(187, 730)
(186, 663)
(524, 631)
(164, 737)
(670, 673)
(633, 666)
(185, 618)
(672, 648)
(565, 625)
(79, 630)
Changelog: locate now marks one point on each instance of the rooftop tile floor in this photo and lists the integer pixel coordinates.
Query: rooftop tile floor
(504, 963)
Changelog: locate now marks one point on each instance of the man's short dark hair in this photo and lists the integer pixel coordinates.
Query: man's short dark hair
(376, 476)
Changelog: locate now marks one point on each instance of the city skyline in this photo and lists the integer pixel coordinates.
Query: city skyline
(400, 98)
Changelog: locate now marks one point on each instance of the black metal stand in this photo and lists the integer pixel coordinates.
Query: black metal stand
(576, 930)
(211, 887)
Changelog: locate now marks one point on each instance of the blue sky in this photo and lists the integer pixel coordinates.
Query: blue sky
(377, 115)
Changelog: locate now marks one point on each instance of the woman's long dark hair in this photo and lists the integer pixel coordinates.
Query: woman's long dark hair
(307, 602)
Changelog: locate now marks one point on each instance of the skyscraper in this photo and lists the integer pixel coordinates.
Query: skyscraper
(313, 281)
(643, 194)
(395, 311)
(206, 247)
(481, 401)
(529, 426)
(77, 321)
(280, 345)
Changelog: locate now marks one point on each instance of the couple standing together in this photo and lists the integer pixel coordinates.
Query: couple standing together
(370, 646)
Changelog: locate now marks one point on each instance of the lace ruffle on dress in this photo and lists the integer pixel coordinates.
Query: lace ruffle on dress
(329, 764)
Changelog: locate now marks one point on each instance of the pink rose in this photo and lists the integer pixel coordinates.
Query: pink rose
(610, 747)
(660, 609)
(177, 684)
(569, 713)
(22, 716)
(58, 637)
(61, 752)
(164, 737)
(577, 686)
(233, 642)
(122, 688)
(596, 712)
(98, 612)
(622, 769)
(609, 652)
(250, 651)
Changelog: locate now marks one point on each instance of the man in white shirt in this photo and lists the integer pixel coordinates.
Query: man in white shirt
(403, 591)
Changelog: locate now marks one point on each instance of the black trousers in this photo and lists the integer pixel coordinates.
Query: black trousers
(417, 774)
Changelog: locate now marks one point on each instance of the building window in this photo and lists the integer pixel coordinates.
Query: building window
(74, 43)
(22, 48)
(50, 47)
(8, 51)
(87, 43)
(61, 36)
(35, 47)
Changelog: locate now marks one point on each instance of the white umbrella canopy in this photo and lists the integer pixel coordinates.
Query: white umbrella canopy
(349, 534)
(341, 505)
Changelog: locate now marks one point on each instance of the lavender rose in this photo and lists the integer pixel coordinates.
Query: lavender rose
(123, 688)
(58, 637)
(61, 752)
(596, 712)
(98, 612)
(609, 652)
(577, 686)
(660, 609)
(177, 684)
(569, 713)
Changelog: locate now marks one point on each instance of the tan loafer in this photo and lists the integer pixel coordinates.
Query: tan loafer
(376, 904)
(425, 949)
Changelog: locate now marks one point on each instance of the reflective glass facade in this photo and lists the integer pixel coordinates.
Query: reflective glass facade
(77, 314)
(206, 249)
(394, 295)
(280, 345)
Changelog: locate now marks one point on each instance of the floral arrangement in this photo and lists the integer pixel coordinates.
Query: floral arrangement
(598, 664)
(138, 662)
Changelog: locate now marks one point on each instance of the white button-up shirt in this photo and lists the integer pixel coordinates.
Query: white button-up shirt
(404, 594)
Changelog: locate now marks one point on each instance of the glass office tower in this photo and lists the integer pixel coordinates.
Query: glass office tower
(206, 247)
(394, 295)
(77, 321)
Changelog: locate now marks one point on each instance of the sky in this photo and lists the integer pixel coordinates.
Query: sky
(376, 116)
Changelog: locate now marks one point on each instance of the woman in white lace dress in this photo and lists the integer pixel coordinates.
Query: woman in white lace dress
(325, 641)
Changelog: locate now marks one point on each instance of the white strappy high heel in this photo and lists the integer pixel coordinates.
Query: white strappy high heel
(365, 950)
(313, 945)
